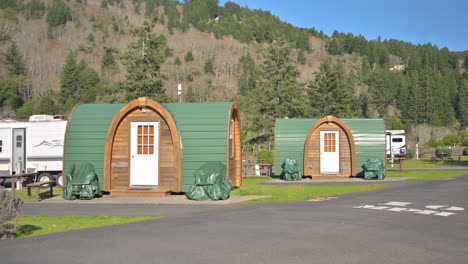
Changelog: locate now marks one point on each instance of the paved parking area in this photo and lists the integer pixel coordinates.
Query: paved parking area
(402, 224)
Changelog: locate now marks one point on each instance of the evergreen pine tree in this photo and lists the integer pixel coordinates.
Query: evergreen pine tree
(143, 60)
(208, 67)
(330, 93)
(278, 94)
(46, 106)
(301, 59)
(58, 14)
(189, 57)
(70, 83)
(27, 109)
(69, 104)
(190, 96)
(108, 59)
(14, 60)
(247, 77)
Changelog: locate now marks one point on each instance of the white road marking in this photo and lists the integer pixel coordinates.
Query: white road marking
(379, 207)
(454, 208)
(435, 207)
(365, 206)
(397, 209)
(396, 203)
(444, 214)
(451, 208)
(427, 212)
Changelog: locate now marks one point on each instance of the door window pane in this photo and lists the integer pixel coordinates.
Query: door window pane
(145, 140)
(329, 142)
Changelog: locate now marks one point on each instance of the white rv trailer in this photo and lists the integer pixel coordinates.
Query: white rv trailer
(396, 143)
(32, 146)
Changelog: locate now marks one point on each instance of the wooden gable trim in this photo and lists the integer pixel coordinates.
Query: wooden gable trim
(141, 102)
(349, 134)
(237, 159)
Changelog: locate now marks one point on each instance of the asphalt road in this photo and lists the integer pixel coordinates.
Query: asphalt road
(415, 222)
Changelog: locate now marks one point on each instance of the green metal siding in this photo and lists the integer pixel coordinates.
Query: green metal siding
(290, 139)
(87, 133)
(369, 139)
(203, 129)
(291, 134)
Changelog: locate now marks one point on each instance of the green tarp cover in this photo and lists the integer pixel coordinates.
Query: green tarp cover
(374, 168)
(210, 183)
(81, 182)
(443, 152)
(291, 171)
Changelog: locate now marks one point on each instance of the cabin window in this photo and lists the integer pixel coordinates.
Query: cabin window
(231, 139)
(145, 140)
(397, 139)
(1, 145)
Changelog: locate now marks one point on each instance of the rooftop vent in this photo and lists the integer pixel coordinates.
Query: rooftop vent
(41, 117)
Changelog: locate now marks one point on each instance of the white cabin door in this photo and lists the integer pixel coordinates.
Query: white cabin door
(144, 150)
(329, 151)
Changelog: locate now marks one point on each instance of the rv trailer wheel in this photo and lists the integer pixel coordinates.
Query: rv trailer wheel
(59, 180)
(45, 176)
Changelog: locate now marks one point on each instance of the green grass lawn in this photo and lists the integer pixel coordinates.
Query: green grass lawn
(43, 224)
(427, 175)
(23, 194)
(427, 163)
(284, 194)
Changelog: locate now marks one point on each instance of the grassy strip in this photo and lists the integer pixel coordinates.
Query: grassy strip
(23, 194)
(285, 194)
(427, 175)
(43, 224)
(427, 163)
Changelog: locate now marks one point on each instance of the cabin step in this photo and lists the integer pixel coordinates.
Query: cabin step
(141, 192)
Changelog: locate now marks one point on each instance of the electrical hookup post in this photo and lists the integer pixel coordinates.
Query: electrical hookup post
(417, 148)
(179, 92)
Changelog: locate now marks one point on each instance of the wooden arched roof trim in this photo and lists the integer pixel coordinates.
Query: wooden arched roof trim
(234, 113)
(346, 129)
(65, 139)
(141, 103)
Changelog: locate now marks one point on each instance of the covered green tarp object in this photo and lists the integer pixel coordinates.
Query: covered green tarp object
(443, 152)
(374, 168)
(81, 182)
(210, 183)
(291, 171)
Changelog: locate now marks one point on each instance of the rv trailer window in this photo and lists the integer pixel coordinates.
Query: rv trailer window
(1, 145)
(397, 139)
(19, 141)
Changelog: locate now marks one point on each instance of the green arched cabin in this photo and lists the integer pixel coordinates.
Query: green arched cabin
(329, 147)
(148, 149)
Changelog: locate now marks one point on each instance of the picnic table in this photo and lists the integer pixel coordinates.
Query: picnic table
(15, 178)
(398, 160)
(254, 169)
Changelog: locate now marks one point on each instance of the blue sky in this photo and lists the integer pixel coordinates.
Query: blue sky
(443, 23)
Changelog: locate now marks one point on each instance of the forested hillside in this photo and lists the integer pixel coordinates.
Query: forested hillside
(56, 53)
